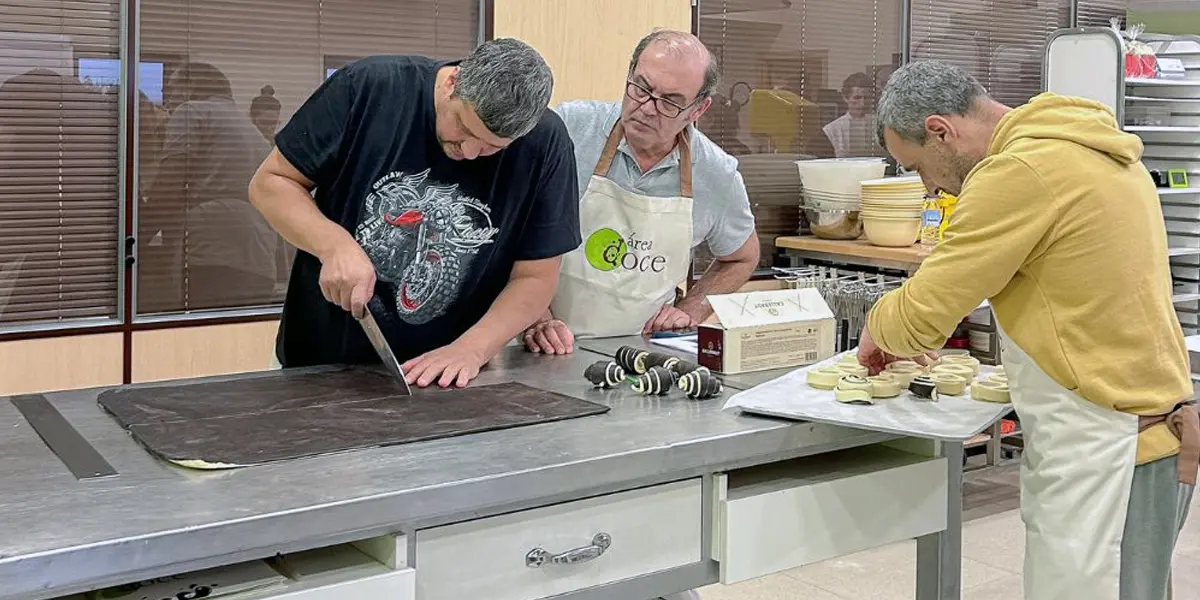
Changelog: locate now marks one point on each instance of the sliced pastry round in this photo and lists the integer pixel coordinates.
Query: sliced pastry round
(853, 396)
(961, 359)
(990, 391)
(949, 384)
(823, 378)
(885, 385)
(855, 369)
(904, 378)
(904, 365)
(849, 358)
(963, 371)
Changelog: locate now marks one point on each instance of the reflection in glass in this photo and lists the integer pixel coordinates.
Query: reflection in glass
(264, 111)
(799, 81)
(202, 243)
(854, 134)
(58, 190)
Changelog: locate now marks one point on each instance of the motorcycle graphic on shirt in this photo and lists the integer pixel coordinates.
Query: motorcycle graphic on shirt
(421, 237)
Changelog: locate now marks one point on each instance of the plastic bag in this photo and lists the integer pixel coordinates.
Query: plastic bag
(1140, 61)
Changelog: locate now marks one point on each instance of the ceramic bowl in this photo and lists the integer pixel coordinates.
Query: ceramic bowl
(893, 202)
(892, 233)
(897, 181)
(888, 215)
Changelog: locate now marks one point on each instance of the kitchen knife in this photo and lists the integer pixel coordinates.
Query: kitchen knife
(383, 349)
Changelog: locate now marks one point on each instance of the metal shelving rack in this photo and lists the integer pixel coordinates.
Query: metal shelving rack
(1089, 62)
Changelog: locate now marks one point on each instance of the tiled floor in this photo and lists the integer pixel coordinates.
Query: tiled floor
(993, 544)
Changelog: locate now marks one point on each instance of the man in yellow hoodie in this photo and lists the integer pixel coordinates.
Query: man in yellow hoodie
(1058, 223)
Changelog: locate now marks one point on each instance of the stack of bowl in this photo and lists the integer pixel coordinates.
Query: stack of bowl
(831, 194)
(891, 210)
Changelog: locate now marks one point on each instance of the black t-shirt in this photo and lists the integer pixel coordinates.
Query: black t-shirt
(443, 234)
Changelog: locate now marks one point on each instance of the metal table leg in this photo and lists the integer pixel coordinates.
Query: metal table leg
(994, 444)
(939, 555)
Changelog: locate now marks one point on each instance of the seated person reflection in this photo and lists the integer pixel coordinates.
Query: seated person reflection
(853, 134)
(220, 247)
(444, 188)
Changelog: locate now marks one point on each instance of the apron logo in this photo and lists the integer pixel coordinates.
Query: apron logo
(606, 250)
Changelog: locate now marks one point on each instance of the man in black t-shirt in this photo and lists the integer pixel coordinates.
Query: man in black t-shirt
(444, 189)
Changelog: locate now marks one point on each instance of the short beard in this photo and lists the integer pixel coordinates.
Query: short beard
(961, 166)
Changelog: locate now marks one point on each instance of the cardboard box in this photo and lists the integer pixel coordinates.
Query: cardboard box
(765, 330)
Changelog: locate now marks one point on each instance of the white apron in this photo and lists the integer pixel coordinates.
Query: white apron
(1076, 476)
(636, 250)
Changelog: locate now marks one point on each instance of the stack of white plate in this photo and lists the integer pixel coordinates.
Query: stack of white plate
(891, 210)
(831, 193)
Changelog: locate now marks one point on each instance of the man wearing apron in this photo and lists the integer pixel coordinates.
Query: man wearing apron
(1058, 223)
(652, 188)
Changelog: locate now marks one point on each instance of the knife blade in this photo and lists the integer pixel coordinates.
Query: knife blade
(383, 349)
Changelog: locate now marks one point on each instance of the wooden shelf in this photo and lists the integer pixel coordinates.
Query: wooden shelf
(860, 250)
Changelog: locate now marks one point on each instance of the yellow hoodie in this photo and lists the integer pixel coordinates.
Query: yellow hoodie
(1061, 228)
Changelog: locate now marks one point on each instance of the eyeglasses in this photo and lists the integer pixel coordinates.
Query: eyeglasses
(666, 108)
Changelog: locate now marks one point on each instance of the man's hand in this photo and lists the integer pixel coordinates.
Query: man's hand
(550, 337)
(456, 364)
(348, 277)
(871, 356)
(668, 318)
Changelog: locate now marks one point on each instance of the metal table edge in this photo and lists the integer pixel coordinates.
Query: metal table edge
(172, 551)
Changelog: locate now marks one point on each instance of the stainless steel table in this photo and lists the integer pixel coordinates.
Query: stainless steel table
(939, 556)
(60, 535)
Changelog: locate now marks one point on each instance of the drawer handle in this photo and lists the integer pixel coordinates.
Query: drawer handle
(539, 556)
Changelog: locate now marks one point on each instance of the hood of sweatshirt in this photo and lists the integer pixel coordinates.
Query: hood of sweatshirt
(1077, 120)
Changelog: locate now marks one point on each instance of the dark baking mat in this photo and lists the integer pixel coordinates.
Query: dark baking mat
(290, 415)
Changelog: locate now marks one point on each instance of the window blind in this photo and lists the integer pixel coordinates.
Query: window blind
(59, 75)
(800, 79)
(233, 72)
(1098, 13)
(1001, 42)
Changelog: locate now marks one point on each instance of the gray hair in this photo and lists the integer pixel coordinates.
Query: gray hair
(712, 70)
(921, 89)
(508, 84)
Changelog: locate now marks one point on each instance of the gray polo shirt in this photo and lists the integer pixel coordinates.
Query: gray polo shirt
(720, 208)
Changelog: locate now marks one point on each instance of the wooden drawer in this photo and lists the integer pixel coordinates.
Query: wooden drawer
(781, 516)
(648, 530)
